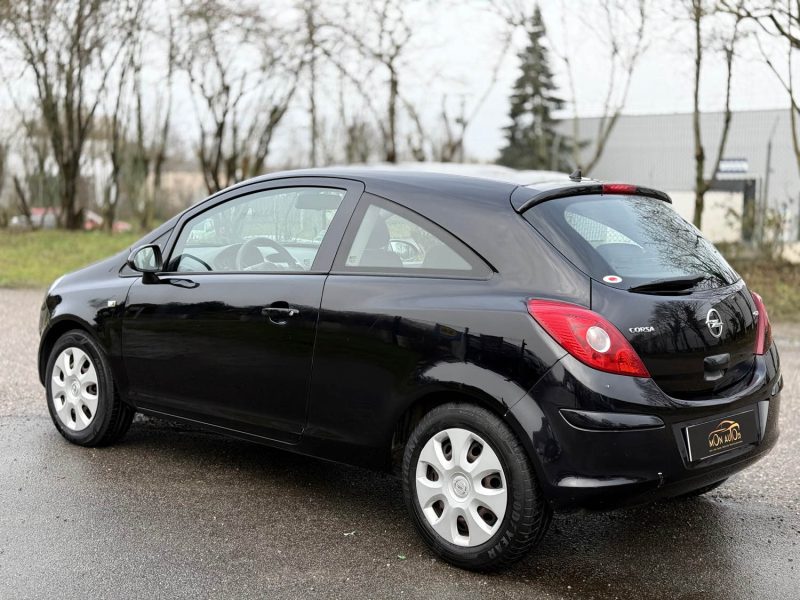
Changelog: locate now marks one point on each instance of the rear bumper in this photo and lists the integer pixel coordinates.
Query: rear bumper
(582, 468)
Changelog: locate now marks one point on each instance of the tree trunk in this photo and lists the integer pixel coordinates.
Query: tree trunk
(313, 113)
(23, 203)
(155, 198)
(311, 28)
(699, 153)
(110, 206)
(391, 146)
(70, 213)
(149, 212)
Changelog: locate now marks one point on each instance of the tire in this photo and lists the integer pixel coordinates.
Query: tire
(81, 397)
(702, 490)
(447, 505)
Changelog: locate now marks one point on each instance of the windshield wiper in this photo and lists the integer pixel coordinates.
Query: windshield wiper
(673, 284)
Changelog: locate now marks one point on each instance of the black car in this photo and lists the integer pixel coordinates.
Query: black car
(509, 349)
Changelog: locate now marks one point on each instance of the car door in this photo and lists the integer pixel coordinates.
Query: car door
(226, 333)
(392, 324)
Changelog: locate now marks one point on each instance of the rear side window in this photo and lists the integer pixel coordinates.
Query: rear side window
(390, 239)
(638, 240)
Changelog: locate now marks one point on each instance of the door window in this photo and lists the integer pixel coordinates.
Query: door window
(390, 239)
(269, 231)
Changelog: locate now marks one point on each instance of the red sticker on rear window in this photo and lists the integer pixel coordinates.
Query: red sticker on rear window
(612, 279)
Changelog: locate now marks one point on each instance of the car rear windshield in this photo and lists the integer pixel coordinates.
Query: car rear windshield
(629, 241)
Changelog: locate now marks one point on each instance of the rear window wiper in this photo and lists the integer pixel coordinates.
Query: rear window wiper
(673, 284)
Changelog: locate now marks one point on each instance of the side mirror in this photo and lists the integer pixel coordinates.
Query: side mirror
(146, 260)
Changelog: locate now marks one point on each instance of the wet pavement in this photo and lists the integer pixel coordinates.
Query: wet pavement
(177, 512)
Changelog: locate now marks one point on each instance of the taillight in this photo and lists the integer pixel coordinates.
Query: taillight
(763, 328)
(588, 337)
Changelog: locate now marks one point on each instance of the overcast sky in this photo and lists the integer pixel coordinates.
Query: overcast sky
(456, 45)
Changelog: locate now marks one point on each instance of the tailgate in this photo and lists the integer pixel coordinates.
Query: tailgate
(694, 346)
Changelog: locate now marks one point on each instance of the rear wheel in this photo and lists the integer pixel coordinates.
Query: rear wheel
(81, 396)
(471, 490)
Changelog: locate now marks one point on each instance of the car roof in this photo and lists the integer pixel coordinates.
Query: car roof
(466, 183)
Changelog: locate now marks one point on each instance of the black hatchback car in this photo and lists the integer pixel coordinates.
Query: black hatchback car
(509, 349)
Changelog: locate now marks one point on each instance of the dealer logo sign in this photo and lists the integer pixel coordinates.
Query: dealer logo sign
(726, 434)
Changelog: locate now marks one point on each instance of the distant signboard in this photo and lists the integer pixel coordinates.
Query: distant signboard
(732, 166)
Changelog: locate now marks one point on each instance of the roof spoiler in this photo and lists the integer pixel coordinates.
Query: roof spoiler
(564, 189)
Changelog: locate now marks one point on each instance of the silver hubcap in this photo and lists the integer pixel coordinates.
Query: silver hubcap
(74, 388)
(461, 487)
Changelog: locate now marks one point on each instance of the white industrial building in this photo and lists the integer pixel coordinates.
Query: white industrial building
(758, 166)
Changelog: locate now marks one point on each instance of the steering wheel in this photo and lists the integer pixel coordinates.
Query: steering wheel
(249, 255)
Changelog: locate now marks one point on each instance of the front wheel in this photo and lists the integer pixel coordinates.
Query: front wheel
(471, 490)
(81, 396)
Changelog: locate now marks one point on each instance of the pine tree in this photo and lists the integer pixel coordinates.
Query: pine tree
(532, 141)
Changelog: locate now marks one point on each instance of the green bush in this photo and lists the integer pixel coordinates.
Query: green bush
(778, 283)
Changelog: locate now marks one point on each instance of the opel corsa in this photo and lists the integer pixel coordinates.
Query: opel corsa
(508, 349)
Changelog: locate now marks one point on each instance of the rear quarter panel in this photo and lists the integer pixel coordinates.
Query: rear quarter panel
(384, 343)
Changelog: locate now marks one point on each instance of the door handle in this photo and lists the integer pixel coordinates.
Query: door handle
(279, 314)
(289, 312)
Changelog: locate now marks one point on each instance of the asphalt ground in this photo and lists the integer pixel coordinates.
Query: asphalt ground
(174, 512)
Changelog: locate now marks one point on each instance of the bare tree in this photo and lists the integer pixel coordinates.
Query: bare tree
(115, 135)
(311, 10)
(624, 40)
(34, 181)
(151, 135)
(3, 163)
(447, 142)
(777, 19)
(386, 44)
(69, 48)
(22, 202)
(384, 36)
(624, 37)
(358, 134)
(20, 188)
(444, 141)
(137, 127)
(244, 72)
(699, 11)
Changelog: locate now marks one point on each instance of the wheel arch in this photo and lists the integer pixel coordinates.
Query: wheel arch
(423, 404)
(56, 330)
